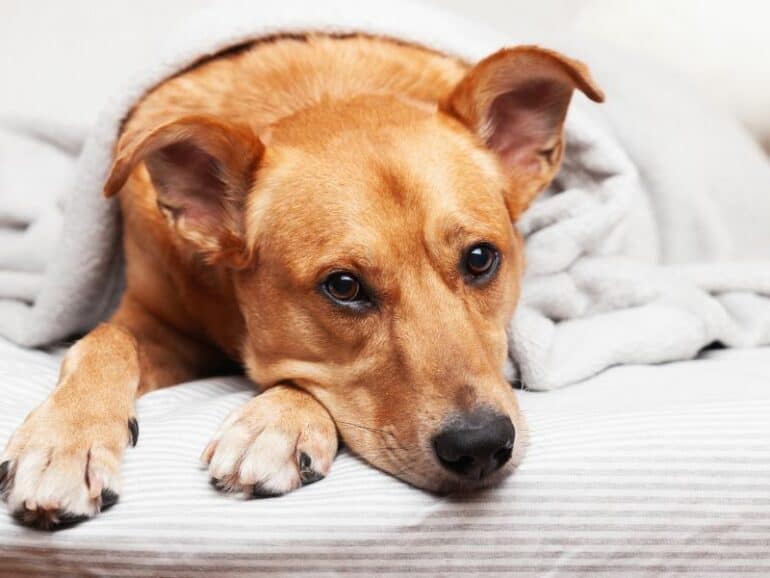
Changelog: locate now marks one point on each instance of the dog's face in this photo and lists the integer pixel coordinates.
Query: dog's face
(387, 272)
(374, 258)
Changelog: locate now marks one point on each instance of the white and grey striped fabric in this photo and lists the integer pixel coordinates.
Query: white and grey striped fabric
(642, 471)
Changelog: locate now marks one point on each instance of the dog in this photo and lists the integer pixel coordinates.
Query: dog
(334, 213)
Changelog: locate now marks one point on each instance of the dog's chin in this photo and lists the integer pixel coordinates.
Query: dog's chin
(458, 485)
(437, 480)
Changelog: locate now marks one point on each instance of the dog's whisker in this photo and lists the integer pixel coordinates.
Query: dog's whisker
(363, 427)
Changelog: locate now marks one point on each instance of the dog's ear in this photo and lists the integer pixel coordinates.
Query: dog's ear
(202, 170)
(516, 101)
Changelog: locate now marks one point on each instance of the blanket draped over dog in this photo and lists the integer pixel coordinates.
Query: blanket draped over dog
(653, 242)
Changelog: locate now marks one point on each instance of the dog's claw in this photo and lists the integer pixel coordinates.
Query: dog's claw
(218, 484)
(48, 520)
(310, 477)
(133, 428)
(306, 473)
(5, 469)
(260, 492)
(68, 520)
(109, 498)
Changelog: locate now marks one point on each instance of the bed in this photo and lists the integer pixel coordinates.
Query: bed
(640, 471)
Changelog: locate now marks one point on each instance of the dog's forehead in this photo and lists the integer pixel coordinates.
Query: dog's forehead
(374, 179)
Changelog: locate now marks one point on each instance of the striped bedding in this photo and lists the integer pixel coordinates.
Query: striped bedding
(641, 471)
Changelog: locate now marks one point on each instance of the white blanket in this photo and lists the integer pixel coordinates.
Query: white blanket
(652, 244)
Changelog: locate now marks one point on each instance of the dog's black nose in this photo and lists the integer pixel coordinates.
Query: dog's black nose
(475, 444)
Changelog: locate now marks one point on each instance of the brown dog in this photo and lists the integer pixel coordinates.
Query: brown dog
(335, 213)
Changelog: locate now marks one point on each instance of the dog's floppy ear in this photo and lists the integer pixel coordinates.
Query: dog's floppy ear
(516, 100)
(202, 169)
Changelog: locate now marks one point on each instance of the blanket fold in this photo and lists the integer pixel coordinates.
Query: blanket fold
(651, 244)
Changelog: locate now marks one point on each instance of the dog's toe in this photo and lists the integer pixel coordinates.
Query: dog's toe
(279, 462)
(273, 469)
(269, 464)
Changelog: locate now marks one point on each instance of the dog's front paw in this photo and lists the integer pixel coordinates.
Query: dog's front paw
(279, 441)
(61, 467)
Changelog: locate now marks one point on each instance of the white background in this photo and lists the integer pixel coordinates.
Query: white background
(60, 59)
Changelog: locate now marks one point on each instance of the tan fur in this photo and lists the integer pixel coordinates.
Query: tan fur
(354, 153)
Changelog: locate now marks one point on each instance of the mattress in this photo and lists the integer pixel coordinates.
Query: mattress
(640, 471)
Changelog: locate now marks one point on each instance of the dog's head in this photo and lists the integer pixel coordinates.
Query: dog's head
(373, 254)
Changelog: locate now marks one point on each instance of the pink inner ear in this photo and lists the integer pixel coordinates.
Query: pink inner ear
(525, 123)
(187, 181)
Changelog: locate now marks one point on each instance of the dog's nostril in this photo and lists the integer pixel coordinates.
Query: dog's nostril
(462, 464)
(475, 444)
(503, 455)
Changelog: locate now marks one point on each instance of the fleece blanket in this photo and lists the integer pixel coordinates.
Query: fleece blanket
(652, 244)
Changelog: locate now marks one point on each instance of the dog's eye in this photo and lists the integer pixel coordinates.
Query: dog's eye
(481, 262)
(344, 288)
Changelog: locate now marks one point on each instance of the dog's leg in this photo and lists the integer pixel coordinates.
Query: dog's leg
(62, 464)
(280, 440)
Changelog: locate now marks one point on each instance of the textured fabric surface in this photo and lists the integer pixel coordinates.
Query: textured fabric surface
(642, 471)
(654, 181)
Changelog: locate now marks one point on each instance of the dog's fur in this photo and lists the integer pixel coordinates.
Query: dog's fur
(243, 182)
